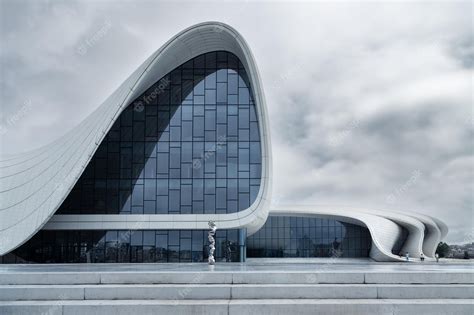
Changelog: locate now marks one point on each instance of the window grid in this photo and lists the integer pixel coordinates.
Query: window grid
(116, 246)
(192, 137)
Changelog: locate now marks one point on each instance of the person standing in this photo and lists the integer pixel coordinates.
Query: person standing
(437, 257)
(228, 254)
(422, 257)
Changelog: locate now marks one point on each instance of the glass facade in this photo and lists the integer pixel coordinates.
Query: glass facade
(279, 237)
(189, 145)
(308, 237)
(159, 246)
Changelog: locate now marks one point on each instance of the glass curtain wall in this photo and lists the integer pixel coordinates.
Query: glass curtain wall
(308, 237)
(190, 144)
(160, 246)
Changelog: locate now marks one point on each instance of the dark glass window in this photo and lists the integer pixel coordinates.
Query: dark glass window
(308, 237)
(195, 124)
(125, 246)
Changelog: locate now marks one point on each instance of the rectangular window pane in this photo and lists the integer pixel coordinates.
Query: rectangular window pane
(232, 84)
(198, 127)
(210, 97)
(210, 120)
(162, 204)
(175, 157)
(150, 189)
(187, 131)
(174, 201)
(221, 92)
(137, 195)
(186, 193)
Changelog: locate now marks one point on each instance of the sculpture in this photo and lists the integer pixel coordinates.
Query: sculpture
(212, 245)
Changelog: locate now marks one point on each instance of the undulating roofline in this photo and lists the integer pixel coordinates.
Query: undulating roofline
(385, 227)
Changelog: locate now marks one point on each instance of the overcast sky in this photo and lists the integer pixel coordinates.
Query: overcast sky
(370, 105)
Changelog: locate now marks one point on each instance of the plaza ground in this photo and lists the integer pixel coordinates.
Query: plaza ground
(259, 286)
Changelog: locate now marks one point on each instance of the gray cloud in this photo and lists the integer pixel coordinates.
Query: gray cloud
(360, 96)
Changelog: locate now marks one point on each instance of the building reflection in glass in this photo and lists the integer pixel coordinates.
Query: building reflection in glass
(125, 247)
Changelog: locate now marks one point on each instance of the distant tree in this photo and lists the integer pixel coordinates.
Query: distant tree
(466, 255)
(443, 249)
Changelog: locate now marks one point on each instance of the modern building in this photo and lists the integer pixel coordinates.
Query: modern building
(183, 141)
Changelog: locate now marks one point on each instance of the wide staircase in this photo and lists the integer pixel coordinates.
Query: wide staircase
(237, 292)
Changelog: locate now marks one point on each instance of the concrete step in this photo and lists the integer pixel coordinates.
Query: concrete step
(247, 277)
(262, 307)
(234, 291)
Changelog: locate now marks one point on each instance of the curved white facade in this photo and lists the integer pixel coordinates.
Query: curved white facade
(33, 185)
(385, 227)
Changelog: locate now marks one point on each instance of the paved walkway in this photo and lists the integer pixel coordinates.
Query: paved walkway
(255, 265)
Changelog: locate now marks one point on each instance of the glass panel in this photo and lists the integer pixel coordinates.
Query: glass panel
(199, 122)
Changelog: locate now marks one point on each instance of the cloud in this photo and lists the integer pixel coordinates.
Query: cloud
(359, 95)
